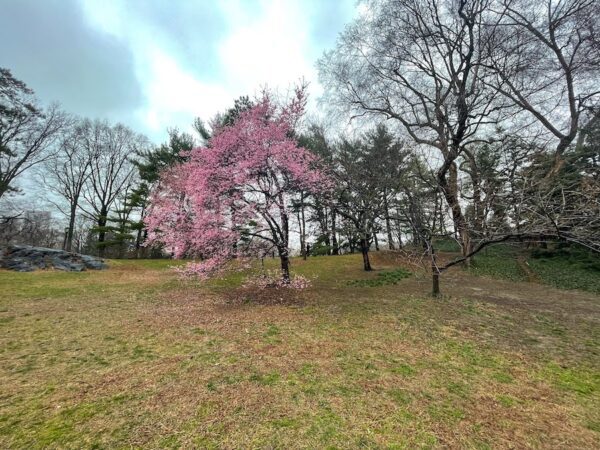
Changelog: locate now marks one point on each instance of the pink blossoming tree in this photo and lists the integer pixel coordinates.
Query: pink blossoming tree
(232, 198)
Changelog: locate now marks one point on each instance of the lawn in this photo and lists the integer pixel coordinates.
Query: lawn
(131, 357)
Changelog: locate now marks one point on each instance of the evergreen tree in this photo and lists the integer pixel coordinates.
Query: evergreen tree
(150, 163)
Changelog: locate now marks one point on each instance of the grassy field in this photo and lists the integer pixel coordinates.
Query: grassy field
(131, 357)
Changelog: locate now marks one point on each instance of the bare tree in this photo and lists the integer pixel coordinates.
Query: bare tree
(420, 63)
(546, 60)
(111, 169)
(525, 208)
(465, 78)
(66, 174)
(27, 131)
(37, 228)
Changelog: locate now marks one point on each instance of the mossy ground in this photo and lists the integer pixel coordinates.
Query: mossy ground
(132, 357)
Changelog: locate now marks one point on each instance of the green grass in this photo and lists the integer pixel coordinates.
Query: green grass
(563, 268)
(388, 277)
(500, 261)
(567, 268)
(132, 357)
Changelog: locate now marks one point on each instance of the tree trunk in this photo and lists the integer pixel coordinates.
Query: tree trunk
(478, 209)
(442, 218)
(388, 225)
(435, 272)
(302, 243)
(102, 232)
(64, 245)
(398, 229)
(450, 191)
(138, 243)
(376, 241)
(559, 160)
(69, 241)
(303, 229)
(467, 244)
(285, 265)
(284, 246)
(435, 292)
(334, 242)
(364, 248)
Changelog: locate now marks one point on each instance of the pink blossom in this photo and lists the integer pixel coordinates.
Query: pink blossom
(231, 198)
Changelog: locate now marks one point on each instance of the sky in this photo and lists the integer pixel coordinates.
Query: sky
(155, 64)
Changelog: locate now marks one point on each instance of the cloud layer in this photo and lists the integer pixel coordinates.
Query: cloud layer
(158, 64)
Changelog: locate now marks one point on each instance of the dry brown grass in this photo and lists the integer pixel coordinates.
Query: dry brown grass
(131, 357)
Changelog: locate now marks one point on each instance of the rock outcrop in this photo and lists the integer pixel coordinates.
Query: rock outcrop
(25, 258)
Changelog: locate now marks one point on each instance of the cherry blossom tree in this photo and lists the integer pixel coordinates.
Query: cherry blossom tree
(234, 197)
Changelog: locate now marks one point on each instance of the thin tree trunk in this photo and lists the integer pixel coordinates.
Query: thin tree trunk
(388, 225)
(64, 245)
(334, 242)
(399, 229)
(301, 232)
(477, 201)
(441, 212)
(302, 227)
(138, 243)
(435, 292)
(435, 213)
(435, 273)
(376, 241)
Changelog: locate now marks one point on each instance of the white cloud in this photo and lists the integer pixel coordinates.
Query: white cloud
(272, 48)
(265, 43)
(172, 93)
